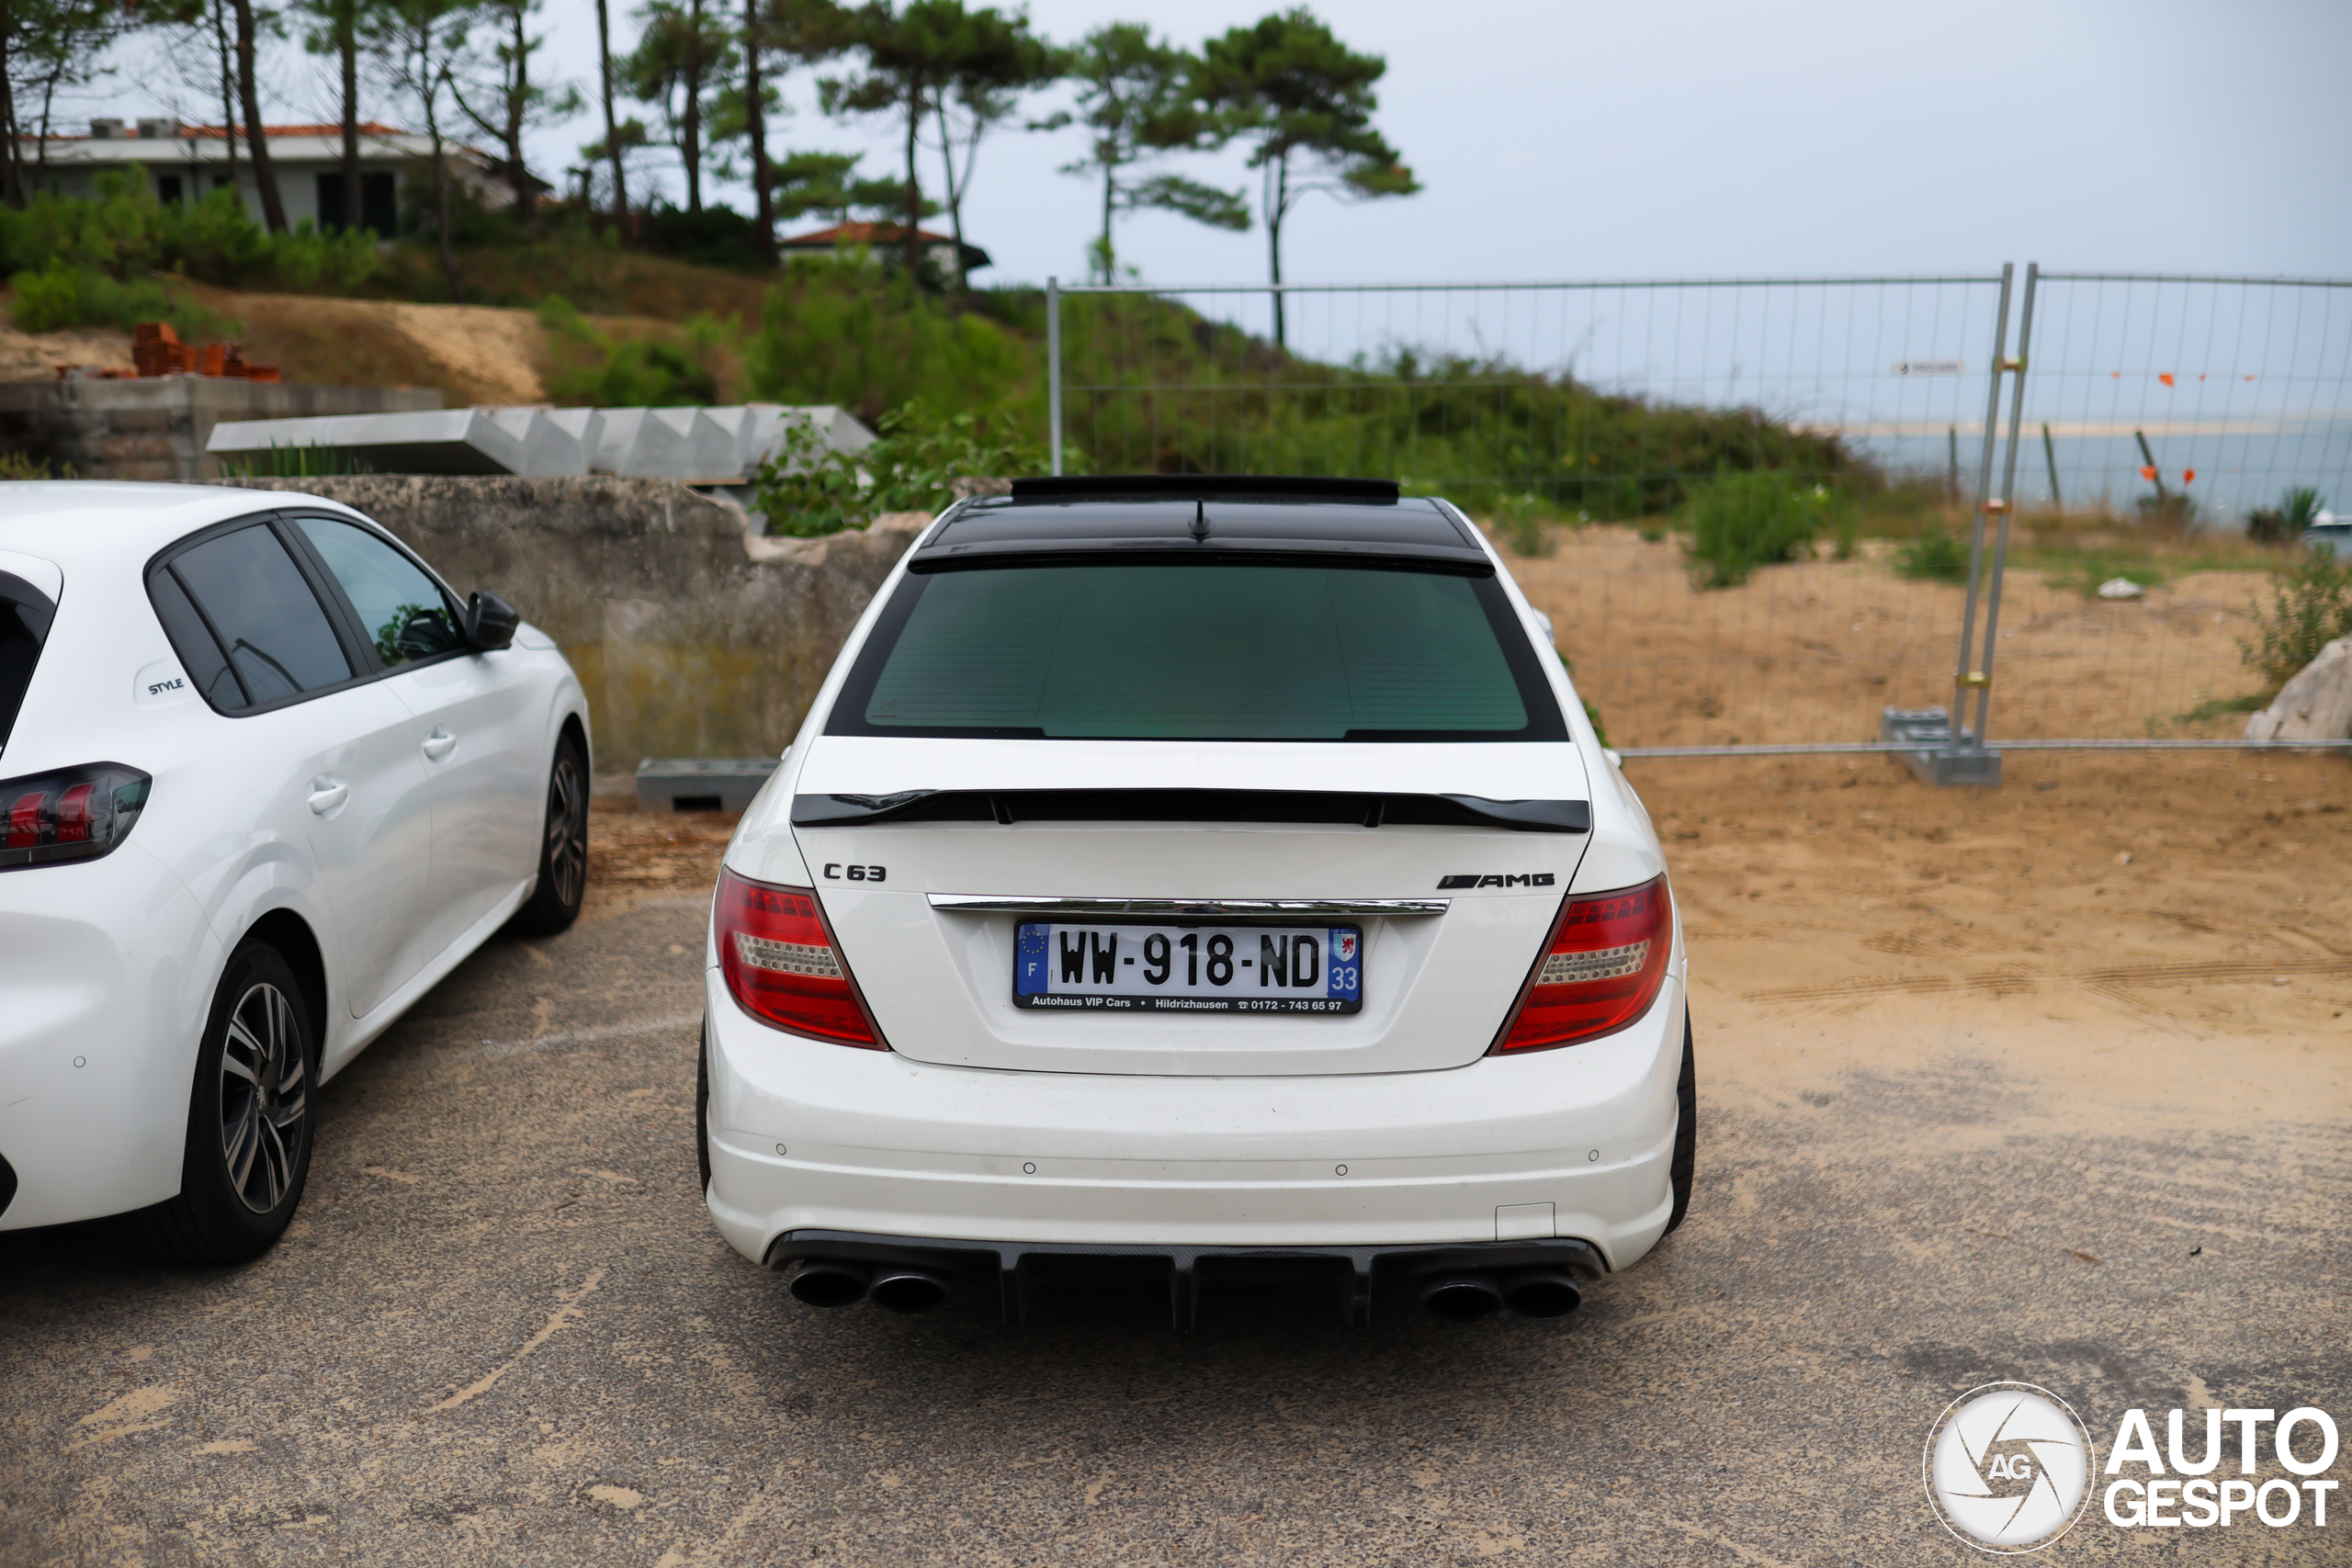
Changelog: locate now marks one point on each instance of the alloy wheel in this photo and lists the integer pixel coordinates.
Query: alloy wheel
(567, 831)
(265, 1098)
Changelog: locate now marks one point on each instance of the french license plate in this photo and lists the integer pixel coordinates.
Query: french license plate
(1115, 968)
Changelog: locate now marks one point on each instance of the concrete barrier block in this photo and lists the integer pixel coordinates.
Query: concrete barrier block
(446, 440)
(616, 440)
(550, 450)
(701, 784)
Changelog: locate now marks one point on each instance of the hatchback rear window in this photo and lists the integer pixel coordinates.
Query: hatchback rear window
(25, 615)
(1158, 650)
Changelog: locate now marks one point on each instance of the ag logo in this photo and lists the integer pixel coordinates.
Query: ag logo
(2008, 1467)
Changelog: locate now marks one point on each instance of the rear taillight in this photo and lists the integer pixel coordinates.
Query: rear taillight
(781, 966)
(1600, 971)
(71, 814)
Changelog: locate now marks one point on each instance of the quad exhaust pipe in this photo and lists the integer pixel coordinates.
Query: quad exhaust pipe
(1461, 1296)
(1530, 1292)
(840, 1282)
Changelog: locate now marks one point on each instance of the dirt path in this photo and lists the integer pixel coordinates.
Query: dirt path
(2169, 934)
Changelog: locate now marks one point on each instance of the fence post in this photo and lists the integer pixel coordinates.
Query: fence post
(2008, 509)
(1947, 754)
(1054, 371)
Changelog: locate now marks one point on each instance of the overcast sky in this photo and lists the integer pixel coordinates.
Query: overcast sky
(1579, 139)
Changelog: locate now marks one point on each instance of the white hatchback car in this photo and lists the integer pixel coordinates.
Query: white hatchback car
(265, 780)
(1184, 878)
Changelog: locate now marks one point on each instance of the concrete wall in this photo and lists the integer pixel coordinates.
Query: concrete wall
(156, 427)
(691, 638)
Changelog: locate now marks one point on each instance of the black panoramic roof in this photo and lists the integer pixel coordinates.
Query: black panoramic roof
(1213, 514)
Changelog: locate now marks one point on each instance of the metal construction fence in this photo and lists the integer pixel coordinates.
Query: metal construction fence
(1786, 514)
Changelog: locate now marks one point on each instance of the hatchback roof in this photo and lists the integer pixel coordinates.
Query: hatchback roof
(1220, 515)
(83, 523)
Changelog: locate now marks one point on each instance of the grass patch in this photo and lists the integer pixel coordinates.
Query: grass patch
(1936, 555)
(2213, 708)
(1743, 521)
(2311, 606)
(593, 368)
(293, 463)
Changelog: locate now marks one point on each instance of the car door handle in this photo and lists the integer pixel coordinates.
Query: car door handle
(440, 744)
(327, 793)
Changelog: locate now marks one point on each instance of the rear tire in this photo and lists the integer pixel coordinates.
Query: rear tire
(563, 845)
(1686, 1133)
(702, 1108)
(249, 1119)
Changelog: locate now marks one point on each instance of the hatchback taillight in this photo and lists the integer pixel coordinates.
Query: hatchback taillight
(781, 966)
(74, 814)
(1600, 971)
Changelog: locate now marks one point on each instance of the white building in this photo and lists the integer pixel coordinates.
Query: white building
(183, 162)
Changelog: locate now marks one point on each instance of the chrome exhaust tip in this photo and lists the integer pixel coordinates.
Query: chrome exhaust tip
(1461, 1298)
(828, 1282)
(908, 1291)
(1540, 1292)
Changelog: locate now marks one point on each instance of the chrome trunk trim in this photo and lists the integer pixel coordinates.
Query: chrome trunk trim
(1001, 904)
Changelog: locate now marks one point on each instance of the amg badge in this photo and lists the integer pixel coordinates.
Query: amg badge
(1527, 879)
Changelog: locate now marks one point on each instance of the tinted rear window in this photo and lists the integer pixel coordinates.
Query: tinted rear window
(270, 624)
(1155, 650)
(25, 615)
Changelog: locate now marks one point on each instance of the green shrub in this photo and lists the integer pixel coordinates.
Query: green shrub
(2311, 606)
(636, 372)
(2285, 523)
(24, 466)
(1741, 521)
(869, 340)
(2301, 506)
(124, 233)
(62, 296)
(807, 490)
(1937, 554)
(716, 236)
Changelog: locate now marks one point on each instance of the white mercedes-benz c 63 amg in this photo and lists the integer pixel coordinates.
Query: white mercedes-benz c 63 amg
(1185, 878)
(264, 779)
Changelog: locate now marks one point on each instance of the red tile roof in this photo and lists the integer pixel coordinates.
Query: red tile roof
(865, 235)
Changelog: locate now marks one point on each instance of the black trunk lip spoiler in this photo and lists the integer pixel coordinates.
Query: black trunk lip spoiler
(1369, 809)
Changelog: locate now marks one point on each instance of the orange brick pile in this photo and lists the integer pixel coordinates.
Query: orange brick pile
(156, 350)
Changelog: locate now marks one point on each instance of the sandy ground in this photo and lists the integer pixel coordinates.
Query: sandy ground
(1813, 651)
(2052, 1084)
(25, 356)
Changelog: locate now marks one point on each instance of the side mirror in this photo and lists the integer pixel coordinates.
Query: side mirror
(489, 621)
